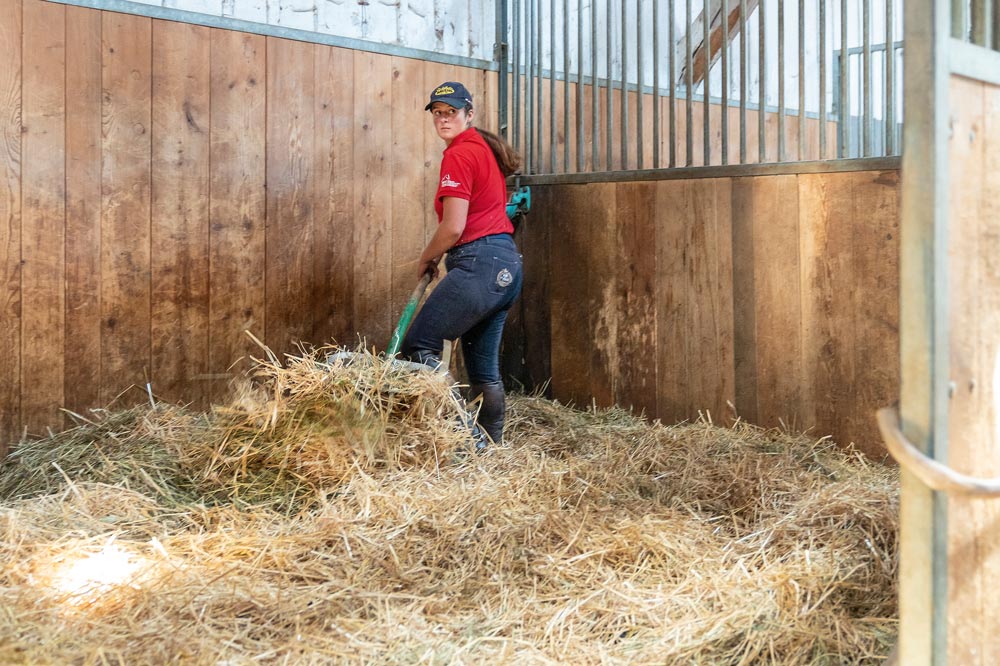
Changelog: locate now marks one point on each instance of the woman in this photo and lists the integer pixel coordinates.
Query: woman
(484, 267)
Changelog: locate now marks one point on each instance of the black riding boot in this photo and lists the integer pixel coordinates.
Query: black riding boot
(491, 413)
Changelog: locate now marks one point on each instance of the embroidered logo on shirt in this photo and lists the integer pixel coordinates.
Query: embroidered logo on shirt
(448, 182)
(504, 278)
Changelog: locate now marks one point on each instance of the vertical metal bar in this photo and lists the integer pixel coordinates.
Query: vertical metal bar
(844, 107)
(671, 65)
(502, 44)
(688, 78)
(923, 328)
(890, 73)
(725, 82)
(529, 87)
(866, 138)
(624, 133)
(566, 126)
(802, 80)
(822, 79)
(781, 80)
(982, 22)
(656, 84)
(579, 86)
(552, 86)
(609, 125)
(516, 76)
(595, 100)
(959, 20)
(743, 81)
(706, 48)
(762, 91)
(539, 118)
(639, 129)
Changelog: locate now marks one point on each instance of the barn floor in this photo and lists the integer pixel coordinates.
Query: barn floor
(325, 516)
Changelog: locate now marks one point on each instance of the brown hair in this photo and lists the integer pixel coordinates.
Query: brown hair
(507, 158)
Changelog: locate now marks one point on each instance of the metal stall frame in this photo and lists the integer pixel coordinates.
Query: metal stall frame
(938, 36)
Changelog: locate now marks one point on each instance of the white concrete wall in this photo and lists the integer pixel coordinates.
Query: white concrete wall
(453, 27)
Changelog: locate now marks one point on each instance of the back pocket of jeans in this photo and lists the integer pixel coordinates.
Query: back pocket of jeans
(503, 275)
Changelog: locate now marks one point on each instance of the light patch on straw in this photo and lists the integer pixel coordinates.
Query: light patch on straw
(88, 577)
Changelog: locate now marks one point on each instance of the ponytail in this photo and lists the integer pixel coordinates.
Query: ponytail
(507, 158)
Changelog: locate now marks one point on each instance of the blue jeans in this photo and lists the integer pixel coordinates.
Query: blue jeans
(471, 302)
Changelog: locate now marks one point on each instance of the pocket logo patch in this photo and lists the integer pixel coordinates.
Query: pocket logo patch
(504, 278)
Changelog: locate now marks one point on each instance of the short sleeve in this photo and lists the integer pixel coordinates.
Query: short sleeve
(456, 176)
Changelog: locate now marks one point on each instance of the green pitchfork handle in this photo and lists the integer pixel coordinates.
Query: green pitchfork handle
(407, 316)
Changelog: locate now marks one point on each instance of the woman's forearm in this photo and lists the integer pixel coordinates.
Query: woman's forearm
(452, 225)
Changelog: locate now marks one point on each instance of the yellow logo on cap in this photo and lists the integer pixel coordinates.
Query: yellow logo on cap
(444, 90)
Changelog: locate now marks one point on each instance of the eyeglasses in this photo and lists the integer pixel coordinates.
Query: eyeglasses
(440, 114)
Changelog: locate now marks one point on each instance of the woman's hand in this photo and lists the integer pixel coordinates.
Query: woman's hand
(429, 266)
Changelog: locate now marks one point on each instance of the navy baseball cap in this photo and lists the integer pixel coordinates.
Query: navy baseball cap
(451, 93)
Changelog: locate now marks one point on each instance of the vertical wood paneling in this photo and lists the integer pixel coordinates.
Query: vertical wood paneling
(180, 211)
(829, 288)
(778, 318)
(43, 214)
(974, 412)
(237, 206)
(409, 206)
(373, 199)
(595, 281)
(876, 304)
(83, 210)
(674, 214)
(125, 203)
(708, 267)
(333, 295)
(635, 221)
(573, 342)
(10, 221)
(290, 152)
(744, 299)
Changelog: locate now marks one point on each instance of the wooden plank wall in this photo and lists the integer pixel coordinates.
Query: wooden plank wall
(974, 414)
(769, 297)
(165, 187)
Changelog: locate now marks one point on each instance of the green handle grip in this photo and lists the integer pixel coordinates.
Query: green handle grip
(407, 316)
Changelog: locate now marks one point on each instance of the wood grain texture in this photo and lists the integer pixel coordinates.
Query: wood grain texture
(778, 317)
(43, 214)
(572, 329)
(125, 205)
(708, 268)
(829, 287)
(290, 235)
(373, 200)
(237, 204)
(180, 212)
(596, 279)
(10, 222)
(876, 306)
(974, 413)
(409, 205)
(744, 299)
(635, 222)
(82, 369)
(674, 214)
(333, 169)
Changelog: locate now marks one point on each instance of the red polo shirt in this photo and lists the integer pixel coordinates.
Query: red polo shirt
(469, 171)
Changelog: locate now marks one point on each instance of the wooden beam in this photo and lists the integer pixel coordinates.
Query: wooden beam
(698, 68)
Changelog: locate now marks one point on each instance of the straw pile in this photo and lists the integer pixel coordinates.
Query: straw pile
(323, 516)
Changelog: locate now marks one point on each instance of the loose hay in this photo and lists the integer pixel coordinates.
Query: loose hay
(321, 517)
